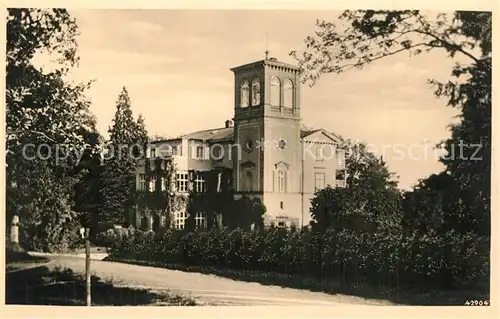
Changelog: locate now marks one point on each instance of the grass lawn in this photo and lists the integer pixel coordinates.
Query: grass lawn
(398, 295)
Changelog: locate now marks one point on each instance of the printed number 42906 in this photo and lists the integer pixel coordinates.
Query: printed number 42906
(477, 303)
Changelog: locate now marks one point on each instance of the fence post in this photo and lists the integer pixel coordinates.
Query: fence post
(87, 264)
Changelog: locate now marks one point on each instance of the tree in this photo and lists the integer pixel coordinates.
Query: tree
(126, 145)
(371, 200)
(367, 36)
(48, 122)
(432, 206)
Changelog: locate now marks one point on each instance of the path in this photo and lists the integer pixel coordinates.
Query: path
(208, 288)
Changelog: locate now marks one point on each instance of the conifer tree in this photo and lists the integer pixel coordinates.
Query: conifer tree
(127, 141)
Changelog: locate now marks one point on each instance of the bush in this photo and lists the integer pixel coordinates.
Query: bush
(446, 260)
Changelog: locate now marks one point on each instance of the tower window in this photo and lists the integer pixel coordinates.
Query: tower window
(275, 91)
(245, 94)
(288, 94)
(249, 181)
(281, 181)
(255, 91)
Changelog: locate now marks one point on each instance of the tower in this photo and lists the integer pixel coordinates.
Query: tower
(267, 134)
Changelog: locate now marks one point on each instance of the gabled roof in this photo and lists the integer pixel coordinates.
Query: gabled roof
(306, 133)
(321, 132)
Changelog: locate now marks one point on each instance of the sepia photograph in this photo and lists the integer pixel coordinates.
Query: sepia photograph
(175, 157)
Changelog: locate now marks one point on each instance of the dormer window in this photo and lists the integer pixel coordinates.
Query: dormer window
(245, 94)
(255, 91)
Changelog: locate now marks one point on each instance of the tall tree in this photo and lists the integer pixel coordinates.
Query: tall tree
(363, 37)
(127, 141)
(47, 124)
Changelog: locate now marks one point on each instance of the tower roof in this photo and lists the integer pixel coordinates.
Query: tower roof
(267, 62)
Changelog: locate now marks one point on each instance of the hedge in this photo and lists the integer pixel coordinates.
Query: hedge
(447, 260)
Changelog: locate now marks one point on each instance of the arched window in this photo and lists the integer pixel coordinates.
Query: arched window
(288, 94)
(255, 91)
(281, 181)
(275, 91)
(245, 94)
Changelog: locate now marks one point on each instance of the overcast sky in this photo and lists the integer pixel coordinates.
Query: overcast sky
(175, 65)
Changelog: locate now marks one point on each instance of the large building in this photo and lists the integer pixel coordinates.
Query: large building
(269, 155)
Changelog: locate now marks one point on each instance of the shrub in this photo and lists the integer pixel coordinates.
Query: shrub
(447, 260)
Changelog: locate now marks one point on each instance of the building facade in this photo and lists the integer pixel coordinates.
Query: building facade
(269, 155)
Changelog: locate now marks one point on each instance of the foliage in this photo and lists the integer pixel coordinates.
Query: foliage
(217, 201)
(447, 260)
(48, 126)
(364, 36)
(369, 202)
(158, 197)
(127, 141)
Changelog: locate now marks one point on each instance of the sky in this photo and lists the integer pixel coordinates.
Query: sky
(176, 68)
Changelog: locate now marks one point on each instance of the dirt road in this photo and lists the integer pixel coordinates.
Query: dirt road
(207, 288)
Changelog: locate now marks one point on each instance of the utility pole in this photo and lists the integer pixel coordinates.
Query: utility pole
(85, 232)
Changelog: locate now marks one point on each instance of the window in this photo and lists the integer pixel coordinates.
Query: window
(340, 178)
(200, 220)
(319, 154)
(152, 184)
(181, 182)
(144, 223)
(281, 224)
(255, 91)
(249, 181)
(142, 182)
(180, 219)
(219, 182)
(275, 91)
(281, 204)
(199, 183)
(319, 181)
(163, 184)
(152, 153)
(200, 152)
(340, 183)
(340, 155)
(245, 94)
(288, 94)
(281, 181)
(217, 152)
(176, 150)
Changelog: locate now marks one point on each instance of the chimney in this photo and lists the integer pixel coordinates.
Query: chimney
(229, 123)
